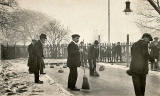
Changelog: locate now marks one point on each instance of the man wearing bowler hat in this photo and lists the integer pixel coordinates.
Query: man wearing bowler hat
(93, 54)
(139, 63)
(39, 63)
(73, 61)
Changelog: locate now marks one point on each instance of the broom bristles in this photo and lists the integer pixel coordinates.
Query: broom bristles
(85, 84)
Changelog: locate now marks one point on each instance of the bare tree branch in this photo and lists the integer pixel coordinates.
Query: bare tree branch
(158, 3)
(154, 6)
(149, 27)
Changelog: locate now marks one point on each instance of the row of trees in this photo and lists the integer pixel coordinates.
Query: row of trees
(21, 26)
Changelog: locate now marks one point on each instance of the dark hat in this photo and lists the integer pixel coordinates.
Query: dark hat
(156, 38)
(147, 35)
(96, 42)
(81, 42)
(33, 40)
(118, 43)
(43, 36)
(75, 35)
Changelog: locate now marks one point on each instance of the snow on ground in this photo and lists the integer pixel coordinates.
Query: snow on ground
(114, 66)
(55, 60)
(0, 66)
(119, 66)
(15, 81)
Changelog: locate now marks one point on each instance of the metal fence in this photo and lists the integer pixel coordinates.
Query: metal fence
(20, 51)
(55, 51)
(12, 51)
(58, 51)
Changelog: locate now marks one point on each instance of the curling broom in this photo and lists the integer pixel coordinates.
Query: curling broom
(85, 84)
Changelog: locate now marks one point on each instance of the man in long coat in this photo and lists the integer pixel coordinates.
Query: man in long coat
(39, 63)
(73, 61)
(118, 49)
(109, 53)
(139, 63)
(113, 52)
(93, 54)
(31, 56)
(83, 54)
(155, 53)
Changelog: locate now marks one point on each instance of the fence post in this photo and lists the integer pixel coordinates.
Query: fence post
(0, 52)
(127, 50)
(15, 51)
(99, 40)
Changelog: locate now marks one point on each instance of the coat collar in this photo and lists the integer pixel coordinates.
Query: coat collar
(75, 42)
(40, 42)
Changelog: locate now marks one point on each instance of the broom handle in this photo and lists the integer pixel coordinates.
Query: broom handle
(82, 64)
(84, 69)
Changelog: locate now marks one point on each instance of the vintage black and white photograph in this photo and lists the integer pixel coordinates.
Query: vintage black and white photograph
(79, 48)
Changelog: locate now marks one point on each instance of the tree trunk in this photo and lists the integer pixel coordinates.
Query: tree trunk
(154, 6)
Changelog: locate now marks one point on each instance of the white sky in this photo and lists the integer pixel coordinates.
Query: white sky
(89, 17)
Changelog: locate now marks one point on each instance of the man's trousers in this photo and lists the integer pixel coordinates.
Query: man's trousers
(36, 77)
(139, 82)
(92, 66)
(72, 78)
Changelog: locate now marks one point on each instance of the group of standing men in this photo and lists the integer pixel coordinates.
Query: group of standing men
(75, 59)
(112, 53)
(140, 56)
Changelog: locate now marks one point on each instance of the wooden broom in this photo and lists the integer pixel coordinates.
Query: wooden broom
(85, 84)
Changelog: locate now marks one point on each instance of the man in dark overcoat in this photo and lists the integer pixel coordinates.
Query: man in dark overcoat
(39, 63)
(83, 54)
(109, 53)
(102, 54)
(118, 50)
(139, 63)
(93, 54)
(113, 52)
(73, 61)
(31, 56)
(155, 53)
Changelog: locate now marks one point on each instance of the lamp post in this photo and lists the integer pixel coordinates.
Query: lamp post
(109, 21)
(99, 40)
(127, 12)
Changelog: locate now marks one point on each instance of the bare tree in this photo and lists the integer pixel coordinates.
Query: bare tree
(155, 5)
(6, 6)
(9, 3)
(56, 34)
(21, 25)
(148, 20)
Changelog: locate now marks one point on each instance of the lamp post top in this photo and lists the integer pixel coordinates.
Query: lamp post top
(128, 9)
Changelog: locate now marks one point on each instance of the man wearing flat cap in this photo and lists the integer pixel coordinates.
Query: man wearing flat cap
(73, 61)
(39, 63)
(139, 63)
